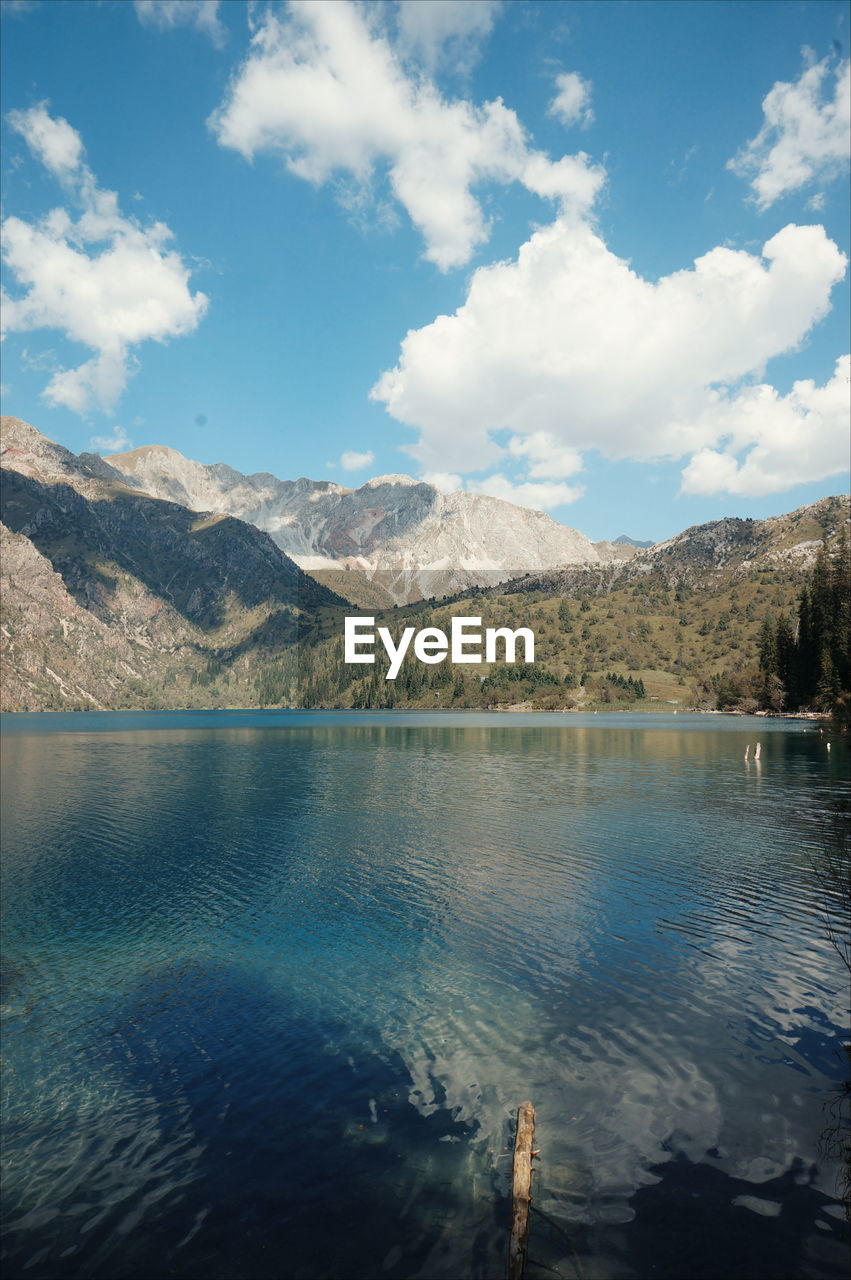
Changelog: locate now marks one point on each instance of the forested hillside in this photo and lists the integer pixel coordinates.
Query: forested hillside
(659, 639)
(113, 598)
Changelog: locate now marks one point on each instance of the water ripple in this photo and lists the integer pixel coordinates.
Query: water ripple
(273, 989)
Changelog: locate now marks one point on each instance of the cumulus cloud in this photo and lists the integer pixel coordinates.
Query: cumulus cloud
(331, 95)
(117, 442)
(806, 134)
(167, 14)
(445, 481)
(547, 458)
(351, 460)
(572, 103)
(569, 349)
(540, 496)
(790, 439)
(53, 142)
(100, 278)
(435, 31)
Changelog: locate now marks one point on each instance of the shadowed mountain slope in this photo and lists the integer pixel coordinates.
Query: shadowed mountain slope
(89, 557)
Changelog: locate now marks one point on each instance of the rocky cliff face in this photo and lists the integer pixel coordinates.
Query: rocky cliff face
(415, 540)
(739, 545)
(708, 554)
(111, 597)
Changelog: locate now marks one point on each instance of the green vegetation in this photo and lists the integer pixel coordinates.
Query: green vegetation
(126, 601)
(749, 641)
(716, 640)
(806, 665)
(655, 643)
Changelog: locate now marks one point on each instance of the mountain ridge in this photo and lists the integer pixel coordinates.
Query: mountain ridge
(730, 546)
(110, 595)
(625, 540)
(113, 598)
(419, 541)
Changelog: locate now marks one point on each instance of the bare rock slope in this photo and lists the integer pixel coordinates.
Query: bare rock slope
(113, 598)
(708, 555)
(416, 540)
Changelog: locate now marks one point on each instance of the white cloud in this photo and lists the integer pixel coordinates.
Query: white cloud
(330, 94)
(572, 103)
(53, 142)
(806, 133)
(434, 31)
(167, 14)
(794, 439)
(115, 443)
(353, 461)
(102, 279)
(445, 481)
(569, 349)
(539, 496)
(548, 459)
(98, 383)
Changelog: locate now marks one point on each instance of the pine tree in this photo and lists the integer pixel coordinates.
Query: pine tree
(811, 666)
(768, 663)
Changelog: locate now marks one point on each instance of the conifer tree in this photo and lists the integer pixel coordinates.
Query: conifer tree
(811, 665)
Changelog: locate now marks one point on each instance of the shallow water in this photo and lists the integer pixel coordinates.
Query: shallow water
(275, 982)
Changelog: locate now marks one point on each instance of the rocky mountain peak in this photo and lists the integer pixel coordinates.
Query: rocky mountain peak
(422, 541)
(22, 442)
(626, 541)
(399, 481)
(132, 456)
(27, 451)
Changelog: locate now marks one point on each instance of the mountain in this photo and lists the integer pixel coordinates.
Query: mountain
(709, 555)
(409, 539)
(681, 624)
(620, 549)
(51, 643)
(612, 552)
(631, 542)
(737, 545)
(112, 597)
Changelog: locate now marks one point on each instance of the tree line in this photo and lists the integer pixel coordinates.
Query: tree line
(805, 661)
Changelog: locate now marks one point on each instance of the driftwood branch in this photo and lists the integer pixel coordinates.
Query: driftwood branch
(521, 1190)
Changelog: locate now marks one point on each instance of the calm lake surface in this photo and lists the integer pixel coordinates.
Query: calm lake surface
(274, 984)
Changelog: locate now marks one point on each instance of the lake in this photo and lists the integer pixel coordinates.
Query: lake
(275, 983)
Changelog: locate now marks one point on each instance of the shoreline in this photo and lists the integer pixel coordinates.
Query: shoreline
(517, 709)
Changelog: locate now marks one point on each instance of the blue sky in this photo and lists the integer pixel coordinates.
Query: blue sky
(590, 257)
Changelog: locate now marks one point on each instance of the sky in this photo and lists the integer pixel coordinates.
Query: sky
(588, 257)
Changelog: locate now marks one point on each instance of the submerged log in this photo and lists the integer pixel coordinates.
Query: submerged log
(521, 1190)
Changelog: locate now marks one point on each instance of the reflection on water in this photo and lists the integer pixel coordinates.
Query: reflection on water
(274, 985)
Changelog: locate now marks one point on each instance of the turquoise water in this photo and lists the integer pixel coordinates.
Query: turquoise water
(274, 983)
